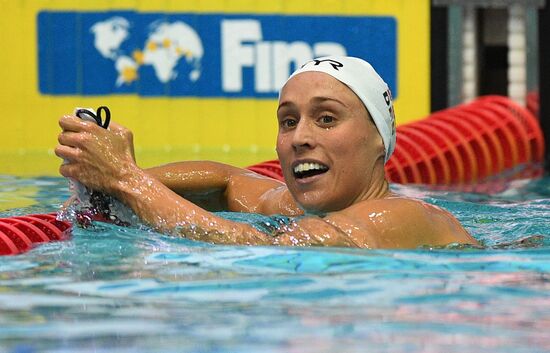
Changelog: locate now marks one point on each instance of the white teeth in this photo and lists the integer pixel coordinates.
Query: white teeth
(304, 167)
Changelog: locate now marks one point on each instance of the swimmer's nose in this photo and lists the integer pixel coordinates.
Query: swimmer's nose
(303, 136)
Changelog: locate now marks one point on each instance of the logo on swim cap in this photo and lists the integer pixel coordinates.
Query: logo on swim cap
(388, 100)
(335, 64)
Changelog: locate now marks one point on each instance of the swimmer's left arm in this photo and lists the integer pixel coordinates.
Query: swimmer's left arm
(221, 187)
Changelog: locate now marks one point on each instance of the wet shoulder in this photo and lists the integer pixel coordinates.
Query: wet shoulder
(397, 206)
(400, 222)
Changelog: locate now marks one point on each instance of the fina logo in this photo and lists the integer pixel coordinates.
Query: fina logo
(165, 46)
(242, 47)
(198, 55)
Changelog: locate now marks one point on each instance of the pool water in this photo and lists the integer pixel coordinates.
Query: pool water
(120, 289)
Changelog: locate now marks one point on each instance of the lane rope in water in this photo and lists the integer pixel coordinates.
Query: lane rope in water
(456, 146)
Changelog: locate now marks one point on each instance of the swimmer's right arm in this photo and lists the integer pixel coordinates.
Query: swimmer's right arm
(103, 160)
(213, 186)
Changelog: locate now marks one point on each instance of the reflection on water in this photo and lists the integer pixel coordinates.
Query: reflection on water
(127, 289)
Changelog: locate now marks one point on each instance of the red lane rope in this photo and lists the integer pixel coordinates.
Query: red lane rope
(459, 145)
(21, 233)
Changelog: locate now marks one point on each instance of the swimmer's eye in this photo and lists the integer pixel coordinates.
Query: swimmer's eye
(288, 123)
(326, 120)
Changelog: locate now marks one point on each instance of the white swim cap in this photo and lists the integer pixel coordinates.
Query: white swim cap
(363, 80)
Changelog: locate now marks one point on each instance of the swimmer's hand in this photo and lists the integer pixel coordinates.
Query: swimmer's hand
(96, 157)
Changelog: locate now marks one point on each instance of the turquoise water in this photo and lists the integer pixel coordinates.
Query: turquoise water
(129, 290)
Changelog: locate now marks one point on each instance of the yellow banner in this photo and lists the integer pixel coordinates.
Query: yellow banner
(239, 128)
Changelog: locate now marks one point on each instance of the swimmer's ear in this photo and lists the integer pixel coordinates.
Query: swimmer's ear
(382, 151)
(379, 144)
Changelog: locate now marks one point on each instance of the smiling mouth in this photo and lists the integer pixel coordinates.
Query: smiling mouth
(306, 170)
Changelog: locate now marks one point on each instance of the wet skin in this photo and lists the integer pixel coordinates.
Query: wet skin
(322, 121)
(332, 160)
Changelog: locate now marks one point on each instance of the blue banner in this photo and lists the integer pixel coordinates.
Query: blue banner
(199, 55)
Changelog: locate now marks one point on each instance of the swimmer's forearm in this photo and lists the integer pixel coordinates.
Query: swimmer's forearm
(167, 212)
(204, 183)
(193, 176)
(220, 187)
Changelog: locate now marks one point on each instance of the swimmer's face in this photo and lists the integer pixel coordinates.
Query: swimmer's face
(327, 143)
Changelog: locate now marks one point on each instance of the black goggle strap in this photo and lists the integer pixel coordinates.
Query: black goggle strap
(99, 117)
